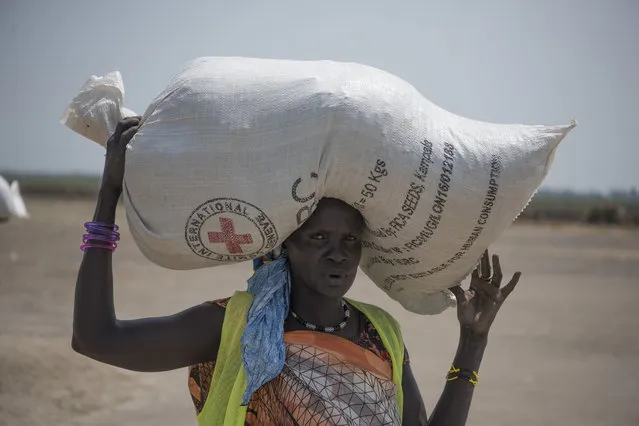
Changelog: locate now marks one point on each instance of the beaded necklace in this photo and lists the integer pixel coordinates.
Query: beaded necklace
(340, 326)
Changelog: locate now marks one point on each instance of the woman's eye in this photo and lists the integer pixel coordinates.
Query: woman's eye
(351, 238)
(317, 236)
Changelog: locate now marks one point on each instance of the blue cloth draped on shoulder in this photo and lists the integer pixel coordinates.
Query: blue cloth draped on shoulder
(263, 348)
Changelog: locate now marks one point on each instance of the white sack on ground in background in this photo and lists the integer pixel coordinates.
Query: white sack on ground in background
(235, 153)
(11, 202)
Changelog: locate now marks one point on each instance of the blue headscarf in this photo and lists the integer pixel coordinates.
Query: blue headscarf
(263, 348)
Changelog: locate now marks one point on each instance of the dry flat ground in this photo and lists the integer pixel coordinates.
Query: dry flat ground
(563, 351)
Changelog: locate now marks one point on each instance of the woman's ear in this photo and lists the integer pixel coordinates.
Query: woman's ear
(283, 250)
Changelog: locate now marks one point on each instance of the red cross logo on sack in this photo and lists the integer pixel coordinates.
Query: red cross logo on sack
(229, 230)
(228, 236)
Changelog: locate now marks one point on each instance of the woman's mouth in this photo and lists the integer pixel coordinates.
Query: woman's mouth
(337, 276)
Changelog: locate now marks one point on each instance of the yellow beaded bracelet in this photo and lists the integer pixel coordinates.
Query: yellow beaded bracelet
(457, 373)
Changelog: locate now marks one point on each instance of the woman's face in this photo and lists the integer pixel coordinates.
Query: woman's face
(325, 251)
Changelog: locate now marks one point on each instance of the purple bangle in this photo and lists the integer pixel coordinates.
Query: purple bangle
(101, 226)
(100, 235)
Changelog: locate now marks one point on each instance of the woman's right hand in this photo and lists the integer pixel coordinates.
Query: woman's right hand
(113, 174)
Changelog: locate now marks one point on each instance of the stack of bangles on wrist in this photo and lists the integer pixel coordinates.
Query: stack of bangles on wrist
(457, 373)
(100, 235)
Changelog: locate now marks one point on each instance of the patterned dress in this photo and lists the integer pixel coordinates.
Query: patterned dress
(327, 380)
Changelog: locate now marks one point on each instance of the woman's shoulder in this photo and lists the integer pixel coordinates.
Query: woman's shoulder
(374, 312)
(241, 298)
(370, 338)
(222, 303)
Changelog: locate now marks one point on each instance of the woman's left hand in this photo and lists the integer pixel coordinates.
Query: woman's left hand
(478, 306)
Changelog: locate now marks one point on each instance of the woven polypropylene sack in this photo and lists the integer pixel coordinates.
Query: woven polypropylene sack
(235, 153)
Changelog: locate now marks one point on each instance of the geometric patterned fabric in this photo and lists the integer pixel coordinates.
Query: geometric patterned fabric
(319, 388)
(326, 380)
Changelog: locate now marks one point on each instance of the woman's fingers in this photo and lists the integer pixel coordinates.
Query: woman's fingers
(128, 122)
(459, 293)
(505, 292)
(484, 266)
(497, 274)
(125, 124)
(486, 288)
(128, 135)
(475, 275)
(117, 138)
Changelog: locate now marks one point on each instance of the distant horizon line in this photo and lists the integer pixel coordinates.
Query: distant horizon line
(543, 188)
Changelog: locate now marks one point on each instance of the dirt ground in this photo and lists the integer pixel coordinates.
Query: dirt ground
(563, 351)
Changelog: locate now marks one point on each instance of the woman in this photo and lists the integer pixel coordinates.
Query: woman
(334, 361)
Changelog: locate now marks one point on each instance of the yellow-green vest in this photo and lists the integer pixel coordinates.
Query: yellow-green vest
(223, 405)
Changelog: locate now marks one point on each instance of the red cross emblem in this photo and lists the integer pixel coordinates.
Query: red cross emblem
(229, 237)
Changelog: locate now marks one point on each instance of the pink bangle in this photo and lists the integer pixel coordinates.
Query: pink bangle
(111, 246)
(100, 237)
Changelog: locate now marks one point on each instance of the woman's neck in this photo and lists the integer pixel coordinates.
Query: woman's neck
(316, 308)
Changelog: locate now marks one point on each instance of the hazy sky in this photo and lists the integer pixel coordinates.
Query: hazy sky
(533, 62)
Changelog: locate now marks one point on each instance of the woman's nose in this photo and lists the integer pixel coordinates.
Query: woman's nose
(337, 253)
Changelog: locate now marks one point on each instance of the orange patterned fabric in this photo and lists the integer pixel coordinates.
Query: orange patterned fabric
(343, 349)
(326, 380)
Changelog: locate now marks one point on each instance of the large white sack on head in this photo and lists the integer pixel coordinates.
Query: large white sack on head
(235, 153)
(11, 202)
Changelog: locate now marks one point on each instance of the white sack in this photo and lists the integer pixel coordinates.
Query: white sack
(96, 110)
(11, 202)
(235, 153)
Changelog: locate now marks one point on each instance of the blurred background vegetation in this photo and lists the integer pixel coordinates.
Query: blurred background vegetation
(620, 207)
